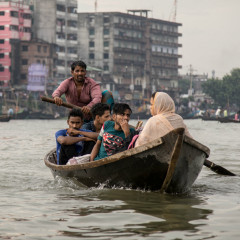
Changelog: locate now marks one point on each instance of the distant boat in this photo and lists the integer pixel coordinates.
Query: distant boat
(228, 120)
(4, 118)
(168, 164)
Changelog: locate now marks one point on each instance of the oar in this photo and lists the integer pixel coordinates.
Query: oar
(64, 104)
(217, 169)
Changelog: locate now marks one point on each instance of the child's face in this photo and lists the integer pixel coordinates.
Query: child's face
(75, 122)
(122, 117)
(105, 117)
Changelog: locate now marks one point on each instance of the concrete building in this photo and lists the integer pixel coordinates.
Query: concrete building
(138, 54)
(15, 25)
(56, 22)
(36, 51)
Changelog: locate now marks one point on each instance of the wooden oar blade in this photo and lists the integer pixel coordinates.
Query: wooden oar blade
(222, 171)
(218, 169)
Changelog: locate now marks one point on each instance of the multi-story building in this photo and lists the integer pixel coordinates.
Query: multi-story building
(15, 25)
(132, 49)
(36, 51)
(56, 22)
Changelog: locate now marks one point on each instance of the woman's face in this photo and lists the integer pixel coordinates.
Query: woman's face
(151, 107)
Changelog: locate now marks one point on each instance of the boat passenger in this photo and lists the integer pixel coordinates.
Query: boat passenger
(115, 135)
(100, 113)
(163, 121)
(79, 90)
(69, 143)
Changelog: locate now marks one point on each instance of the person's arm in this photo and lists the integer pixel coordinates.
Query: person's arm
(95, 150)
(96, 95)
(92, 135)
(62, 88)
(68, 140)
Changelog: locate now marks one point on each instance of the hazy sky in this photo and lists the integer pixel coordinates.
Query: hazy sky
(210, 32)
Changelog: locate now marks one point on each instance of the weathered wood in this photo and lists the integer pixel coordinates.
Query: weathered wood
(169, 163)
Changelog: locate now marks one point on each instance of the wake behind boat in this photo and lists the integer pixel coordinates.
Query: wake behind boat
(171, 163)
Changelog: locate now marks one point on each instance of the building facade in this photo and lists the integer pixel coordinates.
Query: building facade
(15, 26)
(56, 22)
(139, 54)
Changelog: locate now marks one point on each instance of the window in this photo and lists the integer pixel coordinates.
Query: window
(2, 13)
(105, 55)
(91, 31)
(105, 67)
(24, 48)
(45, 49)
(1, 27)
(72, 50)
(61, 8)
(27, 16)
(106, 19)
(1, 55)
(14, 14)
(13, 27)
(106, 31)
(39, 48)
(72, 36)
(91, 56)
(72, 10)
(2, 41)
(106, 43)
(24, 62)
(23, 76)
(91, 44)
(60, 49)
(72, 23)
(27, 29)
(1, 69)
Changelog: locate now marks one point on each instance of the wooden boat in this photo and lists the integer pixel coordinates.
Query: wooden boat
(171, 163)
(228, 120)
(5, 118)
(206, 118)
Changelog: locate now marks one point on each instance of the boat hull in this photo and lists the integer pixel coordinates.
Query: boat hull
(168, 164)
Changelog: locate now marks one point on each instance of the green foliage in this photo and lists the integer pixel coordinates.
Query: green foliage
(226, 91)
(183, 85)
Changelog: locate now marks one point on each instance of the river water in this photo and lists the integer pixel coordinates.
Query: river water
(34, 205)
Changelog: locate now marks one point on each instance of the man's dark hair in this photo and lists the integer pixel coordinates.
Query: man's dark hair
(78, 63)
(99, 109)
(75, 113)
(120, 108)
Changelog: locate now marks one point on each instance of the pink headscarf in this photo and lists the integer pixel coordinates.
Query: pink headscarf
(164, 120)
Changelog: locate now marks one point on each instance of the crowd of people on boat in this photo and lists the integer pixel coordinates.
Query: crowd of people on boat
(93, 133)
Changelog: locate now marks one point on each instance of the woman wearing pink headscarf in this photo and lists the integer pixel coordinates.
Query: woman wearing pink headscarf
(163, 121)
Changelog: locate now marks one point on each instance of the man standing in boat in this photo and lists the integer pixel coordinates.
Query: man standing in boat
(79, 90)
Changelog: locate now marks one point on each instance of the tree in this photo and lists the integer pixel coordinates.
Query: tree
(183, 85)
(224, 92)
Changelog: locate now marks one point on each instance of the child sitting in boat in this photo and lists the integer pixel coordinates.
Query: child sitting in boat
(69, 142)
(115, 135)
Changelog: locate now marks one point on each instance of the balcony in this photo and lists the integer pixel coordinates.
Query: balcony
(27, 23)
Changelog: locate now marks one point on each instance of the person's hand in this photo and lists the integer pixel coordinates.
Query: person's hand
(125, 127)
(58, 101)
(72, 132)
(86, 110)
